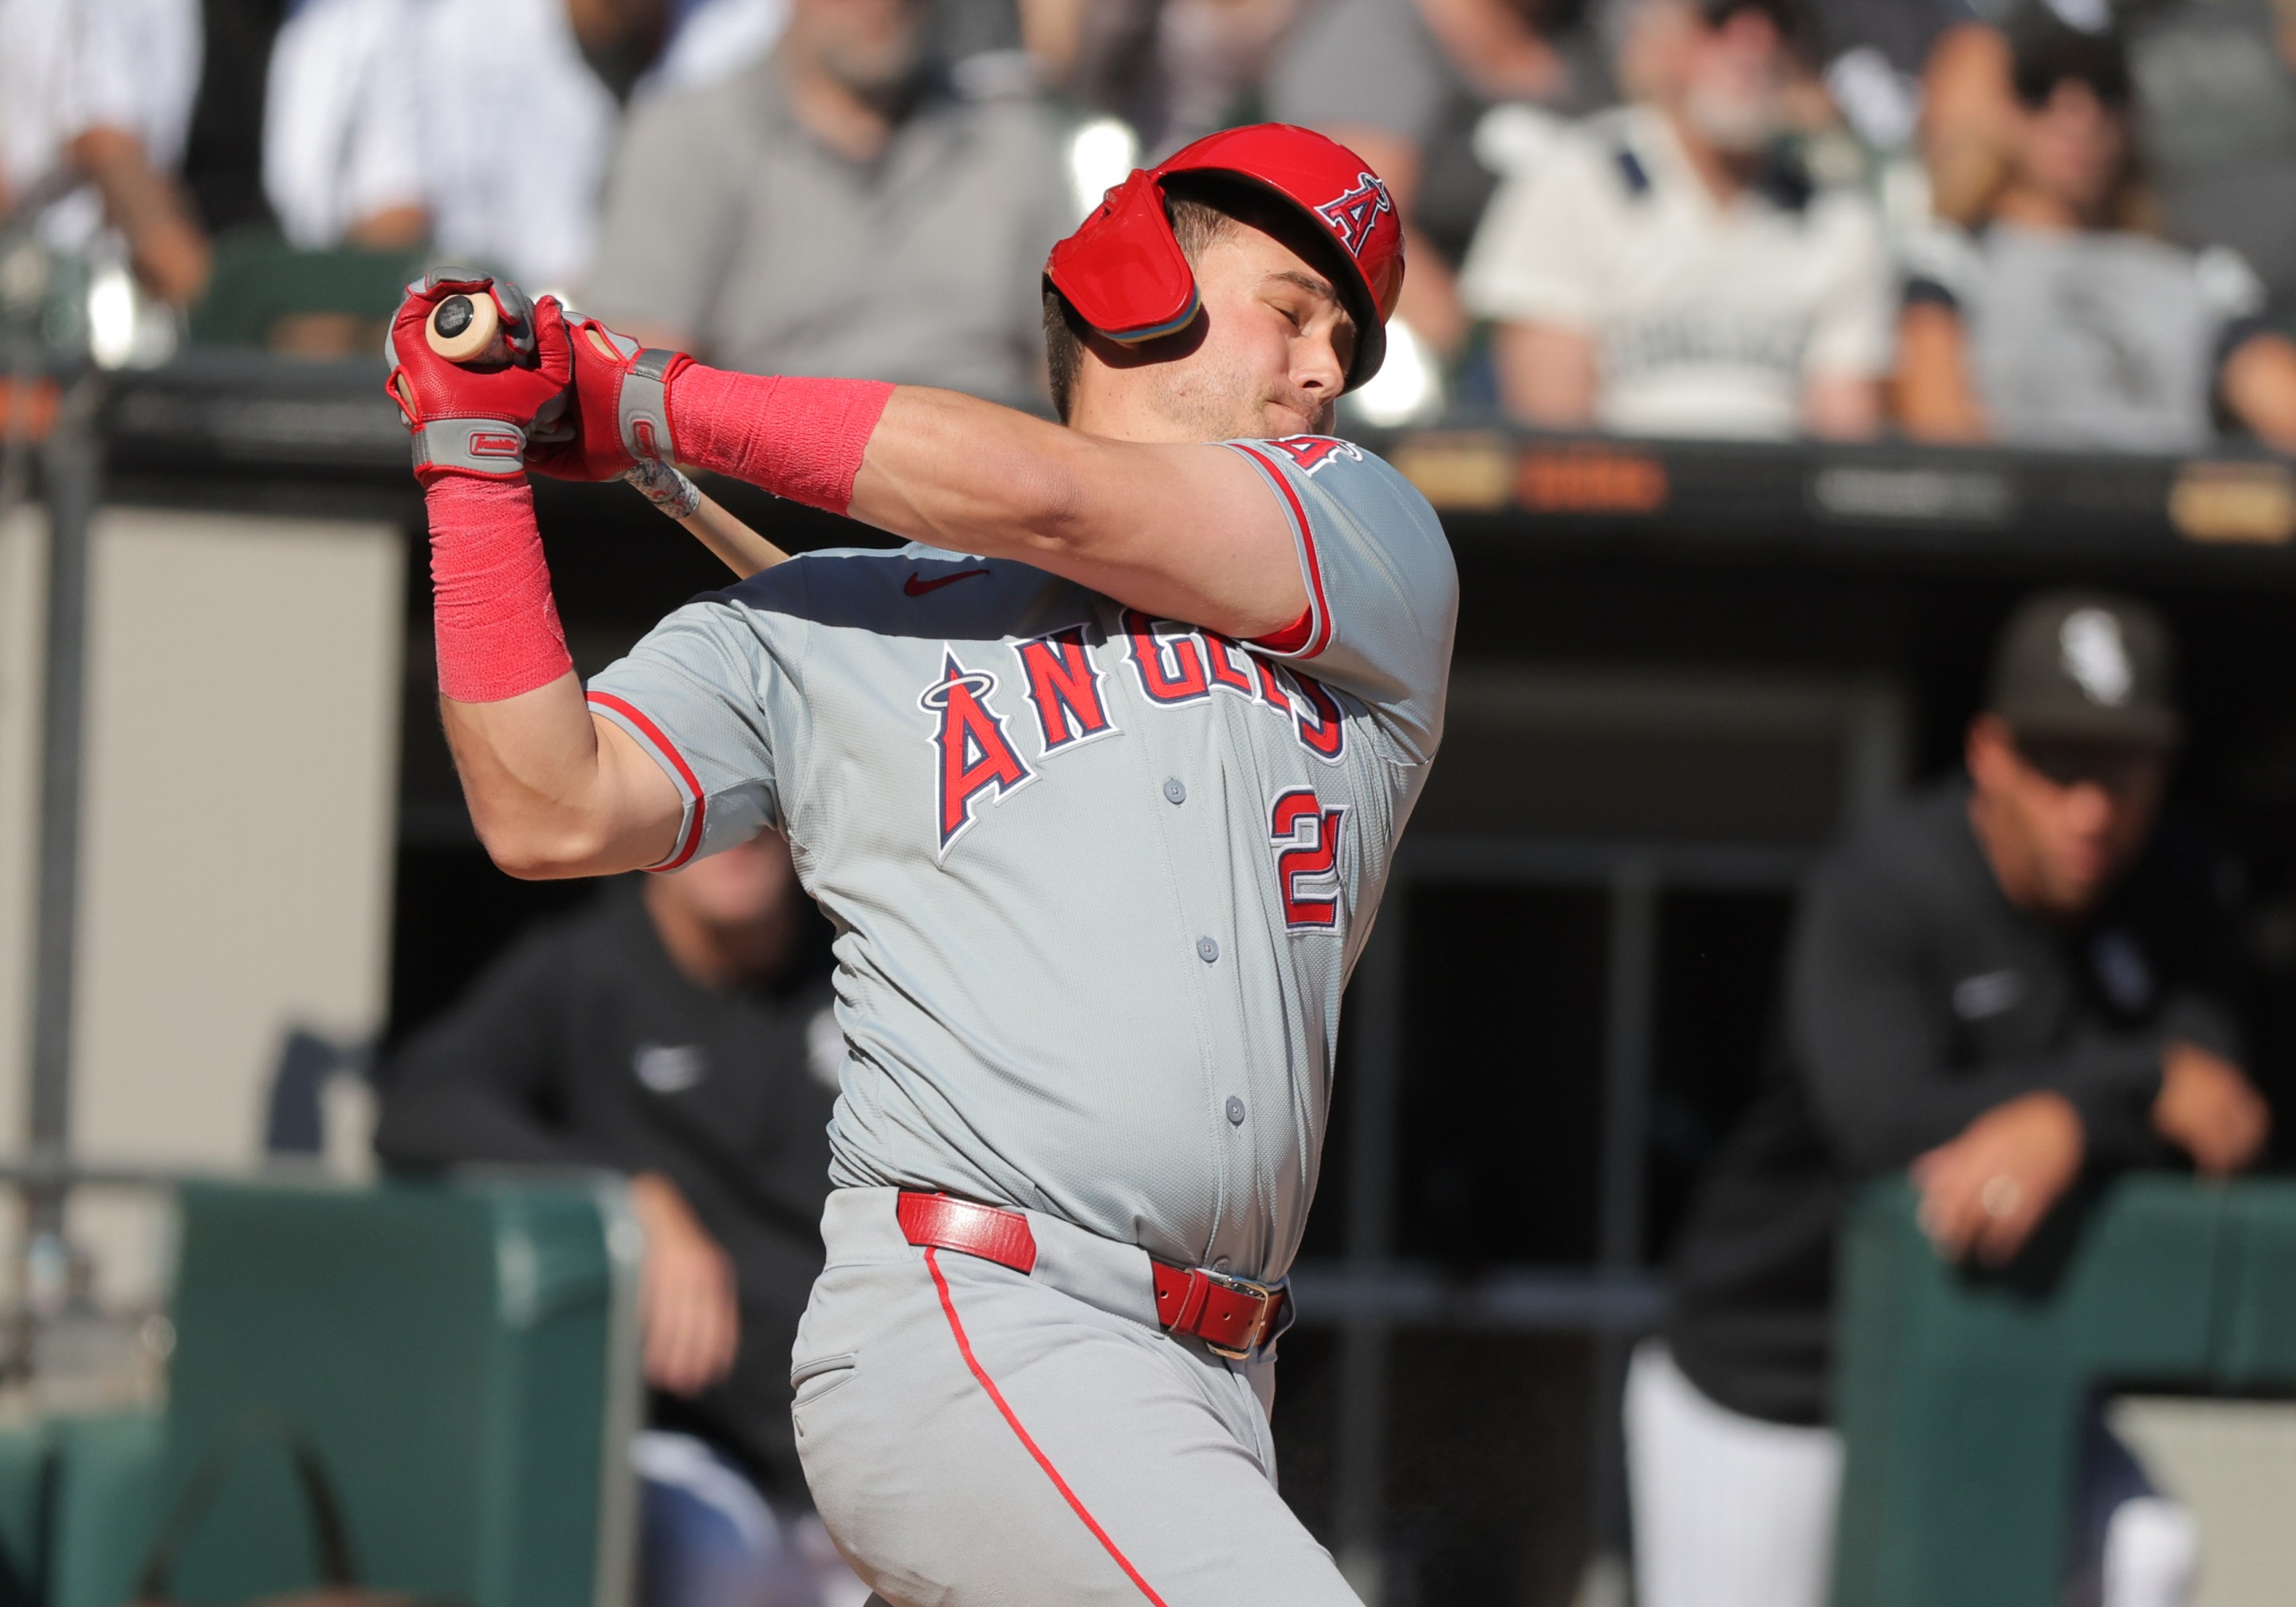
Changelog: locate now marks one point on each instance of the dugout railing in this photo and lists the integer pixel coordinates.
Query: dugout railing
(1371, 1291)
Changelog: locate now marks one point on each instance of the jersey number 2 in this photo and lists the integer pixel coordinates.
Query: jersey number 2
(1306, 839)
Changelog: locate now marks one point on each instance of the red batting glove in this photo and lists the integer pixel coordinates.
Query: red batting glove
(477, 419)
(621, 407)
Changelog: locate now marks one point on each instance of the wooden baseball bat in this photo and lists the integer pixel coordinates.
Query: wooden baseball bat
(468, 329)
(741, 548)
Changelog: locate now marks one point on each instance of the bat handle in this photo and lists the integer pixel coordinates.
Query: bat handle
(738, 546)
(467, 329)
(664, 487)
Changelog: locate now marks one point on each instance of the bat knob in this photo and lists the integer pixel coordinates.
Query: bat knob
(464, 329)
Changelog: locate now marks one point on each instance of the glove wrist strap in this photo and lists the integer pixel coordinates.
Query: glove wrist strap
(644, 404)
(483, 446)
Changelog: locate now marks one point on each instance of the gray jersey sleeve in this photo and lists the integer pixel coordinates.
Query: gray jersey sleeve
(1382, 593)
(712, 693)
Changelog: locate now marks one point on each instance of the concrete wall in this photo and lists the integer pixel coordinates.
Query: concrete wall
(237, 832)
(2233, 1463)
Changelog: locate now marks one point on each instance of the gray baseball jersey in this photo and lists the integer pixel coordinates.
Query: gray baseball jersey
(1097, 879)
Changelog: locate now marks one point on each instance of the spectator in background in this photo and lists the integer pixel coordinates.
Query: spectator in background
(1406, 84)
(2216, 100)
(677, 1031)
(1672, 271)
(835, 211)
(379, 114)
(2213, 88)
(1175, 69)
(1873, 53)
(2010, 978)
(96, 106)
(2057, 322)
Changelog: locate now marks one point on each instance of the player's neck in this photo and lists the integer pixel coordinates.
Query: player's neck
(1117, 413)
(1164, 403)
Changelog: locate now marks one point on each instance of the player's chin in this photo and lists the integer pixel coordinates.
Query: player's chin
(1281, 419)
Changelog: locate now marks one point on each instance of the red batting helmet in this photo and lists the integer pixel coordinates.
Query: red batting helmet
(1123, 272)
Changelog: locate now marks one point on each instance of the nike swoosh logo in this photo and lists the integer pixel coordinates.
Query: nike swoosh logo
(917, 586)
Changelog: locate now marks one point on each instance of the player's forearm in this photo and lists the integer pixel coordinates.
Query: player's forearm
(548, 795)
(1185, 531)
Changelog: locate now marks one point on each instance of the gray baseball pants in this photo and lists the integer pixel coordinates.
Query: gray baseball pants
(976, 1437)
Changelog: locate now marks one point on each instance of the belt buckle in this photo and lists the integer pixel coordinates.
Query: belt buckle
(1270, 1297)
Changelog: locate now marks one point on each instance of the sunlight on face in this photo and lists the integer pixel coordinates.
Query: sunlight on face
(1276, 347)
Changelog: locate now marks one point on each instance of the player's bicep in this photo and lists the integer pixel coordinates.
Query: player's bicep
(1193, 533)
(700, 709)
(645, 812)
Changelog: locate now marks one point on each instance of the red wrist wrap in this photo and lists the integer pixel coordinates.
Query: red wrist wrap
(496, 622)
(799, 439)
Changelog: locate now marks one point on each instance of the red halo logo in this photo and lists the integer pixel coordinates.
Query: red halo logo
(1355, 214)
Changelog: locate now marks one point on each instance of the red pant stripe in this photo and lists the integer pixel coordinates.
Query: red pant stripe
(972, 1363)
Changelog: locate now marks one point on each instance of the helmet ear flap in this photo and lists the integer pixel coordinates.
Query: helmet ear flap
(1123, 271)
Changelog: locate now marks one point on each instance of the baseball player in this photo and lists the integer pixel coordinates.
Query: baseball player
(1099, 780)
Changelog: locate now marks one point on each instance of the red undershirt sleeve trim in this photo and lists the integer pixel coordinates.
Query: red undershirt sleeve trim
(665, 754)
(1311, 632)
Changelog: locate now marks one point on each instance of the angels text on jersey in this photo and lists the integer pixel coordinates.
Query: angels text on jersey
(996, 723)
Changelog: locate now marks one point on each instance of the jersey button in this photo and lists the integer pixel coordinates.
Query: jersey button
(1207, 950)
(1174, 792)
(1234, 1111)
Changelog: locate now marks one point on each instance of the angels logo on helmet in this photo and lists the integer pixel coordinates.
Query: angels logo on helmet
(1352, 214)
(1124, 274)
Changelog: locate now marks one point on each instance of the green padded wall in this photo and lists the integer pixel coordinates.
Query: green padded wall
(106, 1480)
(26, 1458)
(2258, 1350)
(462, 1355)
(1959, 1394)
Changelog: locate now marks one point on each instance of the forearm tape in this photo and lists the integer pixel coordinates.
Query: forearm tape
(498, 624)
(801, 439)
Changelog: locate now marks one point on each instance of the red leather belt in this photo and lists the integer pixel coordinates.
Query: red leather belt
(1233, 1316)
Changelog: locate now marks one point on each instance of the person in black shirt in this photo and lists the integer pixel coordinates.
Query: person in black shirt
(2011, 977)
(676, 1030)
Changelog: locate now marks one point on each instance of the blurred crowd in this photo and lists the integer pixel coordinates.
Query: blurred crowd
(2037, 222)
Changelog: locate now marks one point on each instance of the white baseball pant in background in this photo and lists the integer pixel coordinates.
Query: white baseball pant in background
(1730, 1511)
